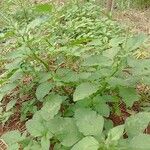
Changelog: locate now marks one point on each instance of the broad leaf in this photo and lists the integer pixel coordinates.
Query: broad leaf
(65, 130)
(97, 60)
(129, 95)
(136, 124)
(51, 106)
(45, 143)
(84, 90)
(140, 142)
(89, 122)
(43, 89)
(115, 134)
(87, 143)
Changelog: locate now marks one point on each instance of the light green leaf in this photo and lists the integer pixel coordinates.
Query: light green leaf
(43, 89)
(65, 130)
(8, 88)
(89, 122)
(45, 143)
(11, 104)
(84, 90)
(137, 123)
(115, 134)
(111, 53)
(12, 137)
(129, 95)
(140, 142)
(51, 107)
(37, 22)
(36, 126)
(136, 41)
(97, 60)
(45, 76)
(87, 143)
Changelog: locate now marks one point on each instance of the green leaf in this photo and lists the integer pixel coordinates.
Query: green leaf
(89, 122)
(51, 107)
(45, 143)
(97, 60)
(137, 123)
(36, 126)
(136, 41)
(65, 130)
(43, 8)
(129, 95)
(36, 23)
(115, 134)
(43, 89)
(44, 77)
(100, 106)
(140, 142)
(111, 53)
(84, 90)
(11, 104)
(87, 143)
(12, 137)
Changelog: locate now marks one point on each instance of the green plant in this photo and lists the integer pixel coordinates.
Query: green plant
(77, 66)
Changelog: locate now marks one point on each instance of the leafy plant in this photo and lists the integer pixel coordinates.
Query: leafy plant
(77, 67)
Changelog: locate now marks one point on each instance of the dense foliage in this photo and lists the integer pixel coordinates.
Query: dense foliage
(77, 67)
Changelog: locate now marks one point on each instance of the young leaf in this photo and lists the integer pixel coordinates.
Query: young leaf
(129, 95)
(43, 89)
(115, 134)
(84, 90)
(136, 124)
(87, 143)
(89, 122)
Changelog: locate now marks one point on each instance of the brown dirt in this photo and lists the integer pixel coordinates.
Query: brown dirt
(137, 20)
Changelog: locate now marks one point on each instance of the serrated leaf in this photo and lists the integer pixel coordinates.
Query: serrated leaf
(115, 133)
(129, 95)
(87, 143)
(84, 90)
(43, 89)
(137, 123)
(89, 122)
(140, 142)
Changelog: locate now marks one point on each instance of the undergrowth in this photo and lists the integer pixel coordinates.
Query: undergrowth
(77, 67)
